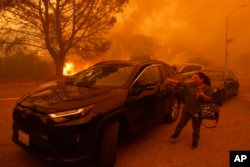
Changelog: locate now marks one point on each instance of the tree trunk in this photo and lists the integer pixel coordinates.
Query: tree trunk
(59, 64)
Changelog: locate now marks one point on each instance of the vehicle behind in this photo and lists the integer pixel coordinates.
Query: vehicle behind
(187, 70)
(224, 83)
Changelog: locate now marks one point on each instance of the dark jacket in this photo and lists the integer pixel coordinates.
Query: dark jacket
(192, 103)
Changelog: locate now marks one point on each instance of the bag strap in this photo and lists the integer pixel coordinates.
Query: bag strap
(213, 126)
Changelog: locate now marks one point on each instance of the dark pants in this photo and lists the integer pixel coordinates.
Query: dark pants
(196, 124)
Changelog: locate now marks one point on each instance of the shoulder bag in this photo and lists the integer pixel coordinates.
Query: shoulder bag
(209, 111)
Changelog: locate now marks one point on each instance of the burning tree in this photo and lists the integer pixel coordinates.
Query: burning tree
(59, 25)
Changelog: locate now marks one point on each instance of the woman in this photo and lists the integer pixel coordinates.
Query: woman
(195, 93)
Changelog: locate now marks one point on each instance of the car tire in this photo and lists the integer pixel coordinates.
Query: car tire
(221, 98)
(108, 145)
(236, 93)
(174, 110)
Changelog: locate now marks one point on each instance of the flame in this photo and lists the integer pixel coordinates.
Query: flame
(68, 68)
(71, 68)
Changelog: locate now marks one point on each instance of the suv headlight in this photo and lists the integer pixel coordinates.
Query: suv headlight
(70, 114)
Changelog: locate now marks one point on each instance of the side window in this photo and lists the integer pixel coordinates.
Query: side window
(145, 76)
(231, 74)
(195, 68)
(168, 71)
(191, 68)
(156, 74)
(227, 75)
(187, 69)
(150, 74)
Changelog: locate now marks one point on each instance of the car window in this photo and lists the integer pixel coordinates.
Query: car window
(196, 68)
(178, 67)
(231, 74)
(150, 74)
(103, 75)
(156, 74)
(215, 75)
(227, 75)
(187, 69)
(168, 71)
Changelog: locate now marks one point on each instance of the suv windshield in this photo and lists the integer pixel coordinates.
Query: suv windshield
(103, 75)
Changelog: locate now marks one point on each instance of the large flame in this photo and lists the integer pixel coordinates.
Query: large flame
(68, 68)
(71, 67)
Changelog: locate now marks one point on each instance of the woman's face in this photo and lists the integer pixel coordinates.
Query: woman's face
(197, 79)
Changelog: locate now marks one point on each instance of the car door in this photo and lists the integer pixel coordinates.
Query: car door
(143, 98)
(170, 90)
(229, 84)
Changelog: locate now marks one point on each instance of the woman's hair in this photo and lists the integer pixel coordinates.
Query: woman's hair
(206, 79)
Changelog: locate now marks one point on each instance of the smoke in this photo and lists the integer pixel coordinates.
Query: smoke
(183, 31)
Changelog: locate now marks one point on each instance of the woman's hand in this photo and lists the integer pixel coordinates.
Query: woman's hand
(196, 116)
(200, 93)
(203, 95)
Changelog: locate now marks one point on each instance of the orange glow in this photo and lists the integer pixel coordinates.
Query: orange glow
(68, 68)
(71, 67)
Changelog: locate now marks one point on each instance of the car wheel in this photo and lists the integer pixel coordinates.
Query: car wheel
(108, 145)
(221, 98)
(236, 93)
(174, 110)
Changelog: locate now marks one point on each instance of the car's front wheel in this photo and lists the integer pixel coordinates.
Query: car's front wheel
(108, 145)
(174, 110)
(236, 93)
(221, 98)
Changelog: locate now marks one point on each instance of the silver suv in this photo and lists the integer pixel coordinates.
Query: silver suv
(186, 70)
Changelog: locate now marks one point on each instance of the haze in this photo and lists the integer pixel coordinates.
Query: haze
(176, 31)
(184, 31)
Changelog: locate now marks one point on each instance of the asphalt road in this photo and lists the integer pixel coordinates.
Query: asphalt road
(151, 148)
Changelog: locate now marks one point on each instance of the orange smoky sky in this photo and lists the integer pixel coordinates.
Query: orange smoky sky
(184, 31)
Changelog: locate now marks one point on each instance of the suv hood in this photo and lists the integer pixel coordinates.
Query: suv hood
(55, 96)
